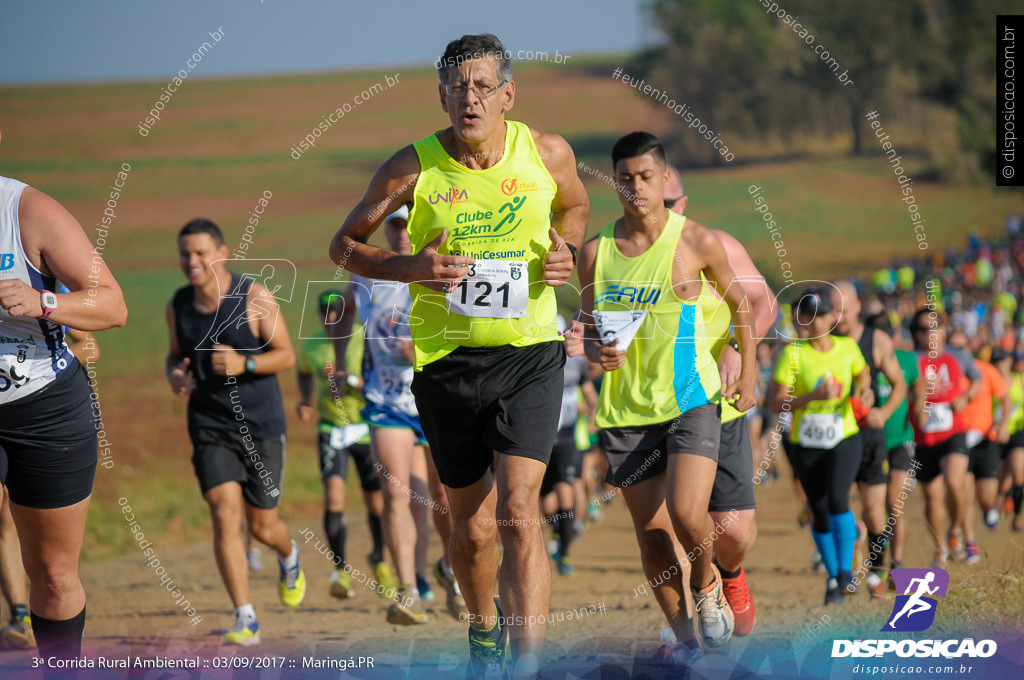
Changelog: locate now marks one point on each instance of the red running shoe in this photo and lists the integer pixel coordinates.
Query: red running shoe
(738, 596)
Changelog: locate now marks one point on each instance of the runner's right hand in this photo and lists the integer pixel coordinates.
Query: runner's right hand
(182, 381)
(828, 389)
(305, 413)
(612, 358)
(573, 339)
(435, 271)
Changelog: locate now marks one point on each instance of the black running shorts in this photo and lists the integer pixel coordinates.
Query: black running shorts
(48, 445)
(874, 463)
(221, 456)
(900, 457)
(1016, 442)
(985, 459)
(334, 462)
(478, 400)
(636, 454)
(566, 461)
(734, 480)
(931, 456)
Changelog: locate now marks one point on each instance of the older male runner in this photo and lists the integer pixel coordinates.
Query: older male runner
(497, 211)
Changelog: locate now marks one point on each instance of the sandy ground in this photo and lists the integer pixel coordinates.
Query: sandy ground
(132, 615)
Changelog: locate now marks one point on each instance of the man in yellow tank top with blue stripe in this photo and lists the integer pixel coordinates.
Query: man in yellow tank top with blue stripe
(497, 213)
(642, 278)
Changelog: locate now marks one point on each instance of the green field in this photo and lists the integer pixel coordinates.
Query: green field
(220, 144)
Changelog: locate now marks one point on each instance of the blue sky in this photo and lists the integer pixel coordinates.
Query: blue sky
(70, 41)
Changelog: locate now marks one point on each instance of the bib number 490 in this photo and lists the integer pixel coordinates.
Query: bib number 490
(821, 430)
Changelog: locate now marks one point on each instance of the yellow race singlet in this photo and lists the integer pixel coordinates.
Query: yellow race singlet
(821, 424)
(669, 368)
(499, 216)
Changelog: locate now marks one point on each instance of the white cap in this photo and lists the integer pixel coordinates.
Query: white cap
(400, 214)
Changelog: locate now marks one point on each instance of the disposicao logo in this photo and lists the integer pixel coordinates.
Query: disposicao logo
(913, 612)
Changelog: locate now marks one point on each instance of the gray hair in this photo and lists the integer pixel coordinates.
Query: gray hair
(475, 47)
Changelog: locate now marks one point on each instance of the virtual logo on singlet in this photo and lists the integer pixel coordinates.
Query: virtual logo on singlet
(6, 261)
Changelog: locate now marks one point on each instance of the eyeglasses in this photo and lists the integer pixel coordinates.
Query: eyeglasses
(671, 202)
(459, 90)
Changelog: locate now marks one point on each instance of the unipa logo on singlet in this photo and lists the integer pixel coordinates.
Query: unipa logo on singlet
(512, 184)
(6, 261)
(452, 196)
(646, 294)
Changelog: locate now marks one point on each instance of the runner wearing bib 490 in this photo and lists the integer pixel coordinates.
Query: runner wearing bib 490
(497, 213)
(816, 378)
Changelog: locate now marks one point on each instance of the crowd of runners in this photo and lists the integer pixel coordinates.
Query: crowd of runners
(445, 377)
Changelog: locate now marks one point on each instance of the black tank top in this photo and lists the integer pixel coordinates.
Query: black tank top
(253, 401)
(867, 348)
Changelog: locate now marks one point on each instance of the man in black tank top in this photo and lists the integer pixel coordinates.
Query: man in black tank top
(873, 476)
(227, 343)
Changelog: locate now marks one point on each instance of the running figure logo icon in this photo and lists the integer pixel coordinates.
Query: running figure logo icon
(914, 610)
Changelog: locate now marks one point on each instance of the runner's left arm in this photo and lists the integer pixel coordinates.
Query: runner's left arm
(755, 291)
(56, 244)
(569, 209)
(890, 368)
(717, 270)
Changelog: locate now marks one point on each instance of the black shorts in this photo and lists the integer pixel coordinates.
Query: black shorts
(1016, 442)
(636, 454)
(789, 448)
(221, 456)
(874, 462)
(478, 400)
(48, 445)
(901, 456)
(985, 459)
(334, 462)
(566, 461)
(734, 480)
(930, 457)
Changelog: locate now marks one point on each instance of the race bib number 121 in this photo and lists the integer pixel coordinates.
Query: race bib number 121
(495, 289)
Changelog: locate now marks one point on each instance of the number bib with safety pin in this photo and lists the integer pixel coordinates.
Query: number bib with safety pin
(493, 289)
(821, 430)
(940, 419)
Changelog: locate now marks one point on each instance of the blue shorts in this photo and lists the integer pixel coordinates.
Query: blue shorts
(377, 415)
